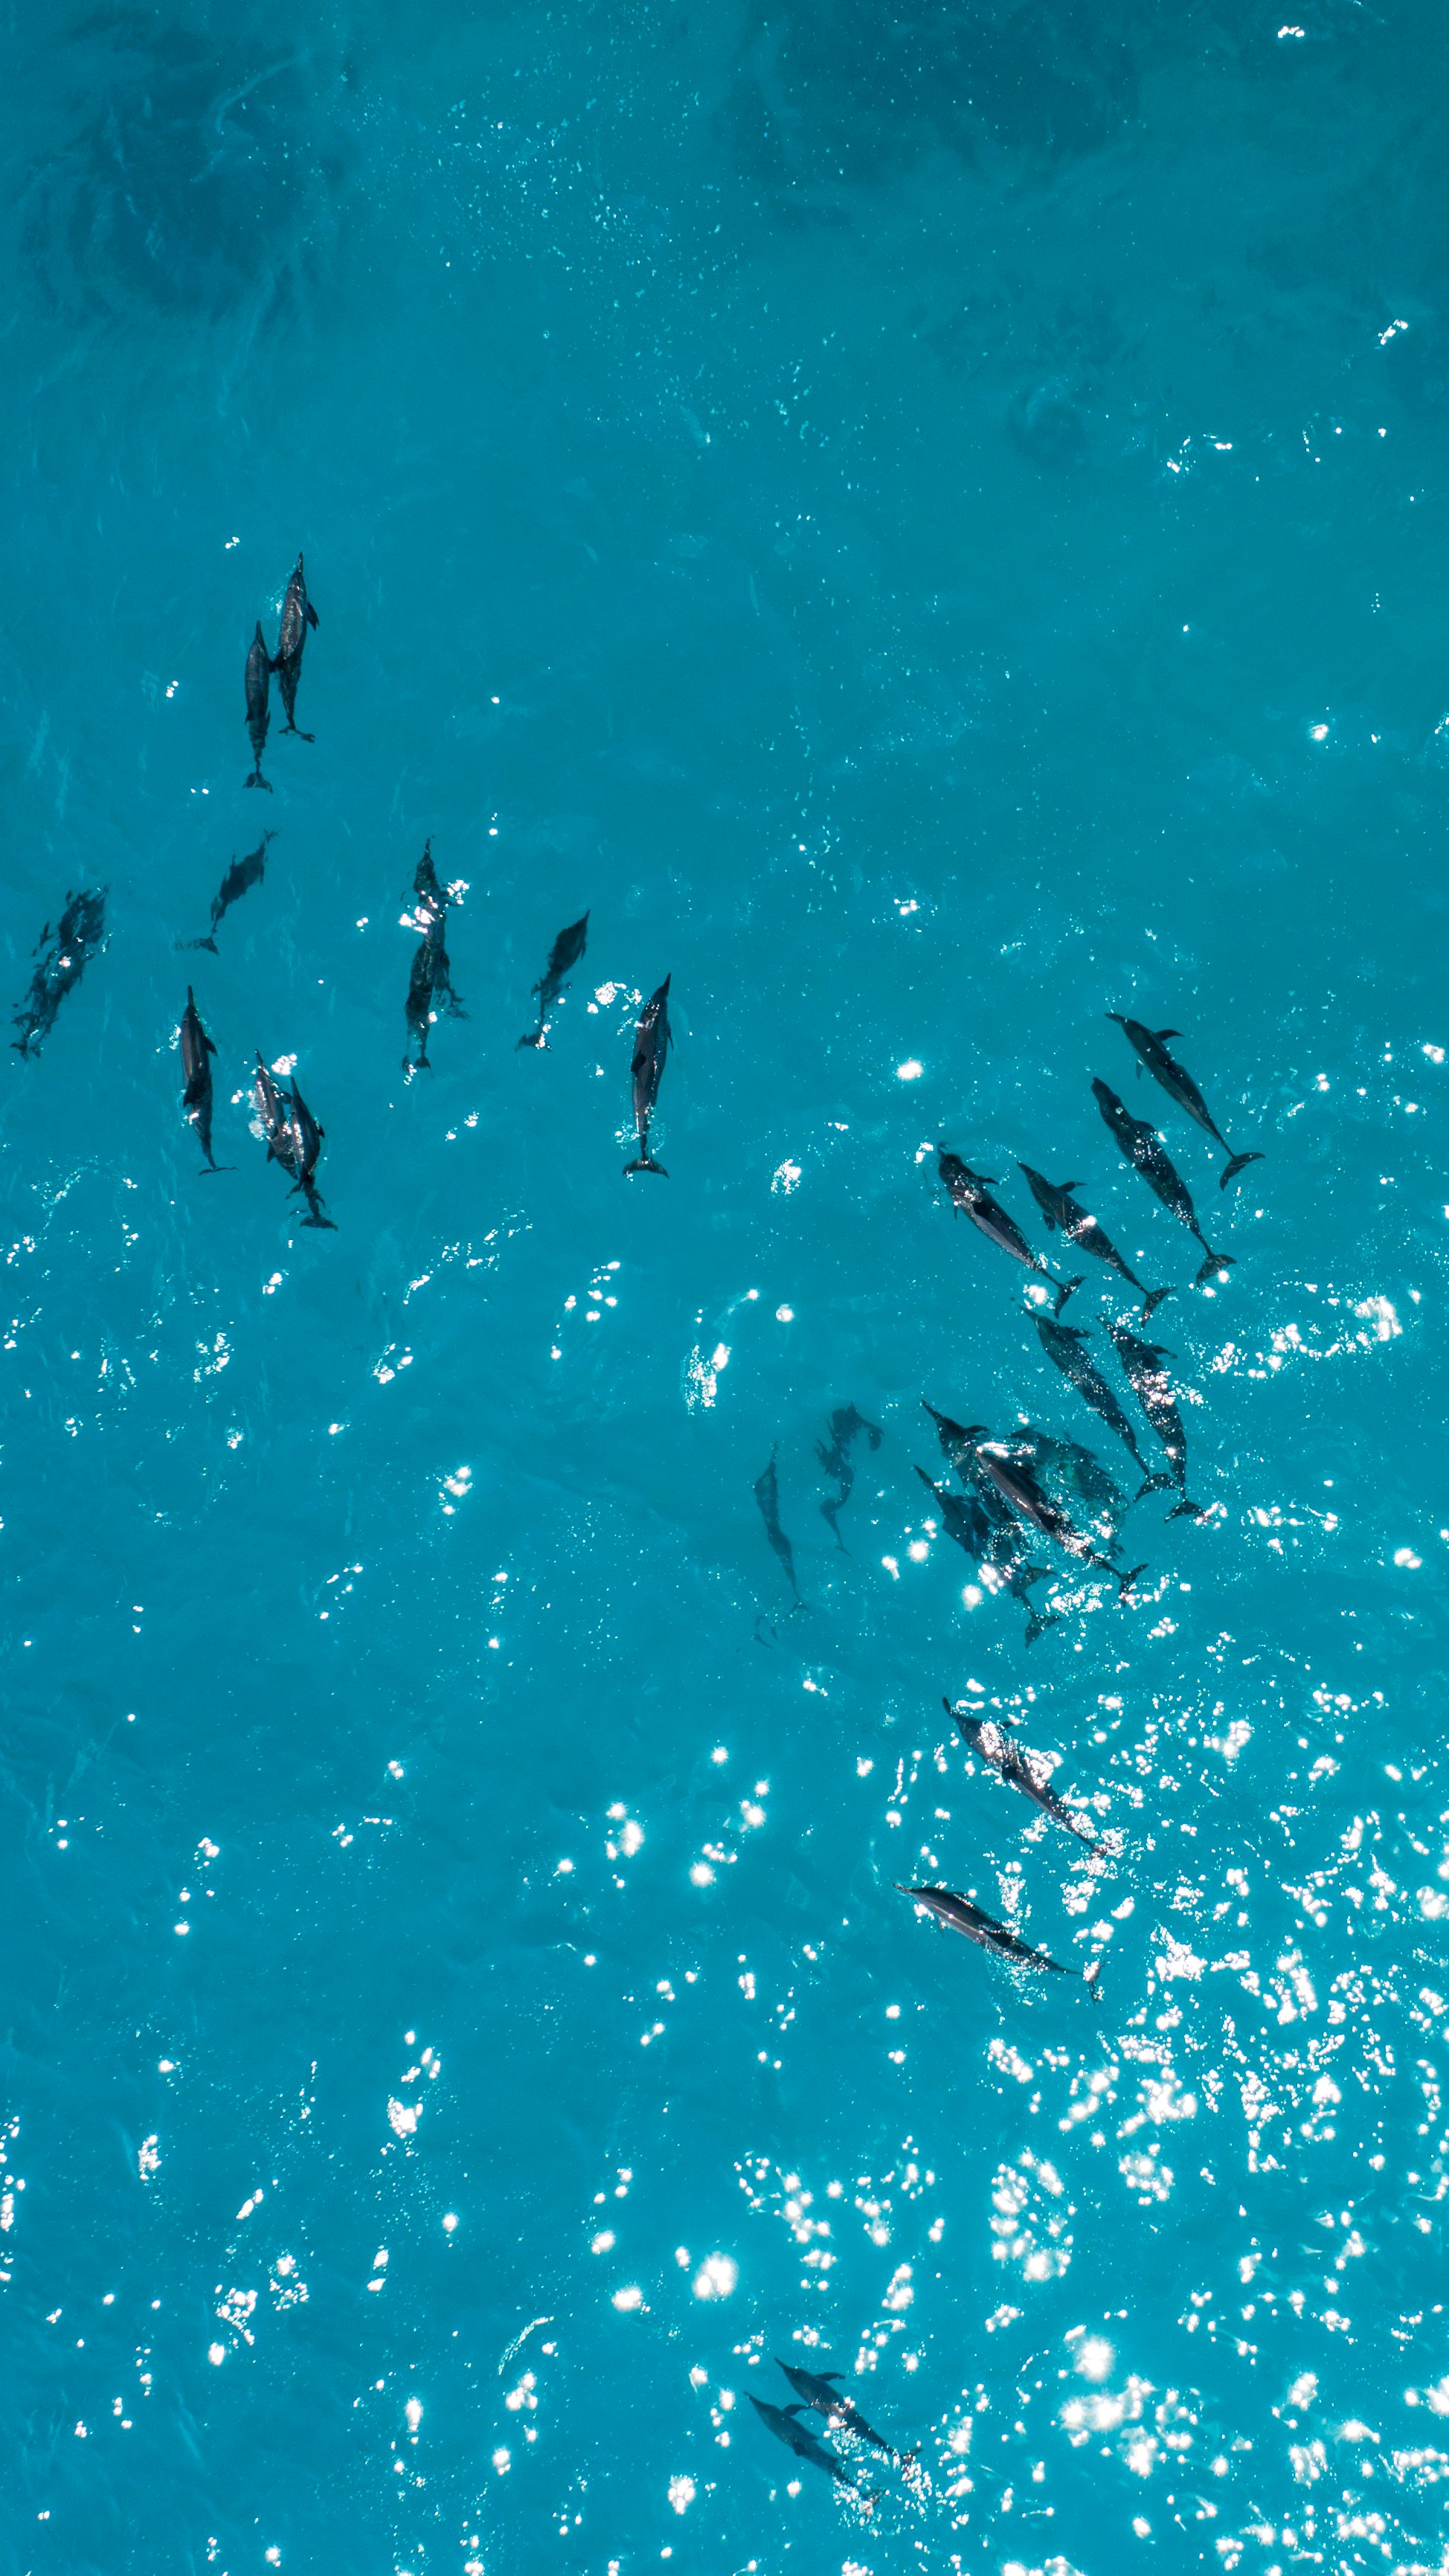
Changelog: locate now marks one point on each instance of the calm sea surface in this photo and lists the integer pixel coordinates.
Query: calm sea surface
(931, 527)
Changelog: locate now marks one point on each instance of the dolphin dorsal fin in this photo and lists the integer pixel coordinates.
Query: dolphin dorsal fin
(1169, 1033)
(792, 2410)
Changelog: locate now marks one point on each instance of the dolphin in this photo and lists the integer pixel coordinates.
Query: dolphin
(846, 1426)
(79, 938)
(994, 1746)
(1061, 1210)
(782, 2422)
(989, 1533)
(970, 1194)
(651, 1046)
(818, 2390)
(1068, 1467)
(196, 1054)
(1147, 1377)
(1147, 1154)
(239, 879)
(306, 1138)
(963, 1518)
(767, 1495)
(962, 1914)
(1065, 1347)
(298, 614)
(258, 689)
(1017, 1483)
(430, 983)
(293, 1139)
(564, 955)
(1151, 1047)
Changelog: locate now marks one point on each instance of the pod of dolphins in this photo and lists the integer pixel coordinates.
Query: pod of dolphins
(1013, 1492)
(281, 1118)
(1016, 1491)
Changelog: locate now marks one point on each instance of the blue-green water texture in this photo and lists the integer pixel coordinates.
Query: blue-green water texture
(930, 526)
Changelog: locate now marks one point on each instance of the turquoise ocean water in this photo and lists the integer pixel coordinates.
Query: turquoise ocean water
(930, 524)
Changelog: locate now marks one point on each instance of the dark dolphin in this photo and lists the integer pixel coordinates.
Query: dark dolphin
(1070, 1468)
(259, 689)
(1064, 1212)
(307, 1138)
(1018, 1484)
(564, 955)
(1145, 1151)
(651, 1047)
(993, 1745)
(293, 1139)
(818, 2389)
(783, 2422)
(846, 1425)
(79, 938)
(767, 1495)
(962, 1914)
(430, 983)
(1151, 1047)
(970, 1195)
(963, 1518)
(1149, 1382)
(1003, 1557)
(1065, 1347)
(298, 614)
(196, 1054)
(239, 879)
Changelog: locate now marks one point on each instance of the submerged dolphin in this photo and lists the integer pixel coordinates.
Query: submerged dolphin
(1145, 1151)
(298, 614)
(564, 955)
(986, 1527)
(994, 1746)
(783, 2422)
(846, 1426)
(1063, 1211)
(79, 938)
(239, 879)
(1065, 1347)
(196, 1054)
(970, 1194)
(646, 1070)
(818, 2389)
(258, 691)
(962, 1914)
(1151, 1046)
(1149, 1382)
(430, 982)
(767, 1495)
(1015, 1480)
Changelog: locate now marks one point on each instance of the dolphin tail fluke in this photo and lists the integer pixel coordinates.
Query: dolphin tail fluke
(1187, 1510)
(184, 945)
(207, 1169)
(323, 1223)
(535, 1038)
(1126, 1581)
(1153, 1299)
(297, 730)
(645, 1163)
(1214, 1261)
(1238, 1164)
(256, 780)
(1153, 1485)
(1065, 1288)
